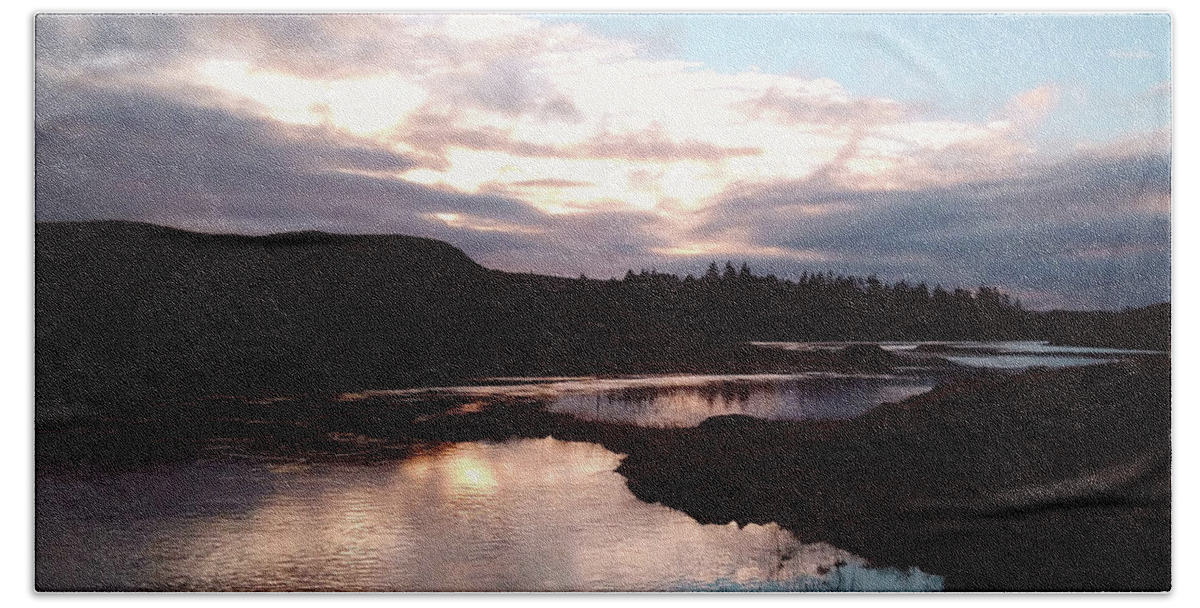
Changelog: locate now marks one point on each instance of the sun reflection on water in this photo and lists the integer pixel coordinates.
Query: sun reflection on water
(471, 472)
(529, 514)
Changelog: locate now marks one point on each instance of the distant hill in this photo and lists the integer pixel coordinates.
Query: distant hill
(131, 312)
(129, 309)
(128, 313)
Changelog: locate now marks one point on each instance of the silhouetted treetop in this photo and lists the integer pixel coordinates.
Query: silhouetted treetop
(736, 303)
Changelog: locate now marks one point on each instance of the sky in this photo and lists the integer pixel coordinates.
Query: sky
(1029, 152)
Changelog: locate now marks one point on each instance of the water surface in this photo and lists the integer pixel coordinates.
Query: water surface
(1006, 355)
(529, 514)
(687, 400)
(798, 397)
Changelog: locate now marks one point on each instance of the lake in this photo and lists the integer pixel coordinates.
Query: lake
(687, 400)
(521, 514)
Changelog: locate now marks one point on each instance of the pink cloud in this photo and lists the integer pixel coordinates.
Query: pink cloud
(1028, 109)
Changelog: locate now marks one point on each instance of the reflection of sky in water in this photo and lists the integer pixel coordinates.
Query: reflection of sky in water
(1019, 362)
(808, 398)
(1011, 355)
(523, 515)
(686, 400)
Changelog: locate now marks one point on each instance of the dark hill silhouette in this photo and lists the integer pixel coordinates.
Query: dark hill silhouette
(126, 308)
(128, 313)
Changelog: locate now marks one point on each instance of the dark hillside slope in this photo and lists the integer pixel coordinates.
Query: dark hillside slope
(126, 309)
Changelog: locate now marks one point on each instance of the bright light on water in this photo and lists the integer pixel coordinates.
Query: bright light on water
(687, 400)
(522, 515)
(1008, 355)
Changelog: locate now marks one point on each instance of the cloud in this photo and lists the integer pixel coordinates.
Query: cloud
(545, 147)
(126, 155)
(653, 144)
(434, 135)
(550, 182)
(1097, 226)
(822, 109)
(1029, 109)
(442, 89)
(511, 87)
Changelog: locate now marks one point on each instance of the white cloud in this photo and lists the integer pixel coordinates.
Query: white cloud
(509, 105)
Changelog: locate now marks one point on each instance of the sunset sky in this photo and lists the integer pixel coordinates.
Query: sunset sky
(1031, 152)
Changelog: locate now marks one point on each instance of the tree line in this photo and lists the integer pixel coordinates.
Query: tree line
(736, 303)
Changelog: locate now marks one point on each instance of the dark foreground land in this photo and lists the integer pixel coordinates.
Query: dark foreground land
(1050, 480)
(157, 345)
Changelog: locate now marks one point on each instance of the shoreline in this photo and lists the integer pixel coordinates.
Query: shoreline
(1049, 480)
